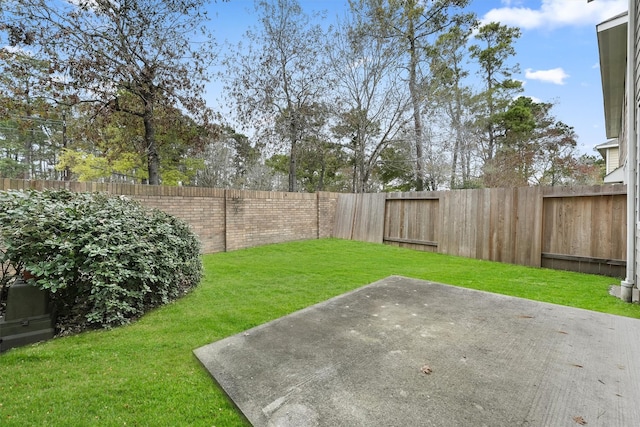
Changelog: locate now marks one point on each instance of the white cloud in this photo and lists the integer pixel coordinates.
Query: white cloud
(556, 13)
(555, 75)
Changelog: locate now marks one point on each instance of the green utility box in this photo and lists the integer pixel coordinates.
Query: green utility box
(28, 317)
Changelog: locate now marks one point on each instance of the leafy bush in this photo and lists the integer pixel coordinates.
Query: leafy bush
(105, 260)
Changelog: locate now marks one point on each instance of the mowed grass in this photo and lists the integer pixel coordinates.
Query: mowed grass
(145, 374)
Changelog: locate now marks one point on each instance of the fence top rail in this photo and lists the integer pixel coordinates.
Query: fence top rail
(585, 191)
(400, 199)
(584, 194)
(415, 195)
(546, 192)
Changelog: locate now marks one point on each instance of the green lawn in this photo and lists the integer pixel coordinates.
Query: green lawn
(146, 375)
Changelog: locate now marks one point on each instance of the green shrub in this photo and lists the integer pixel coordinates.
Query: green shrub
(105, 260)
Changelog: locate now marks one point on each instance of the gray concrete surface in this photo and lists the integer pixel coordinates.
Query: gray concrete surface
(361, 359)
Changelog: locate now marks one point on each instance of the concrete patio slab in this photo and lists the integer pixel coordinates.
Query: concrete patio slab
(406, 352)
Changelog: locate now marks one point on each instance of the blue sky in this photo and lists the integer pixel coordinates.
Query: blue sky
(557, 53)
(558, 56)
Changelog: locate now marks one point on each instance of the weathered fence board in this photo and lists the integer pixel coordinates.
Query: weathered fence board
(416, 224)
(345, 215)
(576, 228)
(493, 224)
(528, 228)
(371, 208)
(360, 217)
(585, 231)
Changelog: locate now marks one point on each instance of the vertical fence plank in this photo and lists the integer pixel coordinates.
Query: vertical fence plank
(345, 212)
(528, 227)
(501, 210)
(484, 224)
(619, 226)
(445, 226)
(369, 218)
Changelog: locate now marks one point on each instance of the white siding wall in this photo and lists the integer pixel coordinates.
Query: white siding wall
(613, 159)
(635, 21)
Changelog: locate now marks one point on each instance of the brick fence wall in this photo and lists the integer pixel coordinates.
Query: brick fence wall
(205, 215)
(327, 205)
(224, 220)
(257, 218)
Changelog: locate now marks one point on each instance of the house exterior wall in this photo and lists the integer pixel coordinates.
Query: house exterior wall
(613, 159)
(622, 138)
(634, 25)
(619, 48)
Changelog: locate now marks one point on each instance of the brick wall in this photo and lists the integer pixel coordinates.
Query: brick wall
(205, 215)
(224, 220)
(327, 203)
(257, 218)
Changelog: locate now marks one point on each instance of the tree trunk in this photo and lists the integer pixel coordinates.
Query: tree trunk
(292, 167)
(457, 123)
(490, 129)
(293, 156)
(29, 140)
(153, 157)
(364, 174)
(323, 169)
(66, 173)
(354, 178)
(415, 103)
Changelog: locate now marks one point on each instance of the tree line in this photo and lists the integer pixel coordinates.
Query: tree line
(393, 95)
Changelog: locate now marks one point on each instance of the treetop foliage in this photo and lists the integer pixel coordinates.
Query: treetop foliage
(107, 50)
(398, 94)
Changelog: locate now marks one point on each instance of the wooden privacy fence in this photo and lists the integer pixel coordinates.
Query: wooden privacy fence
(569, 228)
